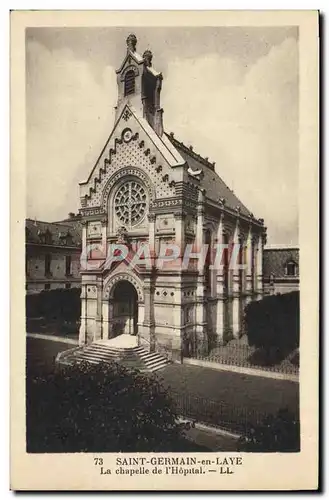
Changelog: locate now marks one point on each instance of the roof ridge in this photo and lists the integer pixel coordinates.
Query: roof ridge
(47, 222)
(189, 150)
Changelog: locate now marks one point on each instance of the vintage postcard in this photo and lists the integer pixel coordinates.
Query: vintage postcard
(164, 268)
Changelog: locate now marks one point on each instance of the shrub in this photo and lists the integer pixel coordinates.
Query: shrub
(99, 408)
(59, 304)
(273, 323)
(279, 433)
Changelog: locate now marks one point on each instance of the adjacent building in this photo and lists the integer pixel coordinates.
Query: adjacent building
(281, 268)
(52, 254)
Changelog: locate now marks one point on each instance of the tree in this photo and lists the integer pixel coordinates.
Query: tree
(279, 433)
(59, 304)
(273, 323)
(99, 408)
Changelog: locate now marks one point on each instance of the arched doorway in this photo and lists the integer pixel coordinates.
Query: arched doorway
(125, 309)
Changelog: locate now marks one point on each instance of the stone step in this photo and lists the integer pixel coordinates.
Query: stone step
(149, 355)
(132, 357)
(80, 359)
(109, 349)
(92, 350)
(90, 358)
(156, 362)
(156, 368)
(114, 348)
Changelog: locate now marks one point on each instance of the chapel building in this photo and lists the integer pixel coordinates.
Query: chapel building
(147, 187)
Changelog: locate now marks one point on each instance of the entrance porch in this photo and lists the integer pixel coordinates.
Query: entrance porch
(123, 341)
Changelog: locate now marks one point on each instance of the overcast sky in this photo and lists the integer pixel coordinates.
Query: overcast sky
(230, 92)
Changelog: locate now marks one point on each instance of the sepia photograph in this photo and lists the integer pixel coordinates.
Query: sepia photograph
(162, 239)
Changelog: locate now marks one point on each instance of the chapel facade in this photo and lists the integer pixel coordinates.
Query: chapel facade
(148, 188)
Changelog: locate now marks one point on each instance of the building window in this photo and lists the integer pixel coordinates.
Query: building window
(67, 285)
(130, 203)
(48, 264)
(208, 261)
(241, 261)
(189, 313)
(46, 237)
(66, 239)
(47, 286)
(129, 82)
(225, 262)
(68, 264)
(291, 268)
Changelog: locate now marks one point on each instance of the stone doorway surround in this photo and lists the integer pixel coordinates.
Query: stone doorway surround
(123, 317)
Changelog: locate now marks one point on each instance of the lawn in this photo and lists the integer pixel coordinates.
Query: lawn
(246, 391)
(41, 354)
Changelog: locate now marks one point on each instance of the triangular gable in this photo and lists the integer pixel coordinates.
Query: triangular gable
(135, 56)
(124, 264)
(130, 118)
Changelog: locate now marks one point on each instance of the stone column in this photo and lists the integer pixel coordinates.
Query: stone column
(220, 288)
(99, 313)
(82, 330)
(110, 309)
(104, 237)
(180, 232)
(259, 267)
(84, 256)
(147, 333)
(249, 266)
(201, 321)
(105, 318)
(84, 234)
(236, 292)
(151, 219)
(178, 322)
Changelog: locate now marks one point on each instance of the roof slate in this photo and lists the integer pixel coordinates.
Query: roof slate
(275, 260)
(57, 229)
(215, 186)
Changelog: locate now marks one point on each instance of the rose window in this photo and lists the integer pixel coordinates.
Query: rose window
(130, 203)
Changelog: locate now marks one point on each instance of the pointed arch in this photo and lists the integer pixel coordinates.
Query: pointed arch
(109, 285)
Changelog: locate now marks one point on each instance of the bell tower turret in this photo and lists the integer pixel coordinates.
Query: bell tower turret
(139, 84)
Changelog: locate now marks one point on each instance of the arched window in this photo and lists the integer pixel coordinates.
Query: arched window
(241, 261)
(225, 263)
(129, 82)
(291, 268)
(208, 260)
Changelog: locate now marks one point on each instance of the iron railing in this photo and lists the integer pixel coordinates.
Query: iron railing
(216, 413)
(240, 355)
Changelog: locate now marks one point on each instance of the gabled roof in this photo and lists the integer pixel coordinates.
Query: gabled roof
(215, 186)
(166, 148)
(134, 55)
(138, 60)
(57, 230)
